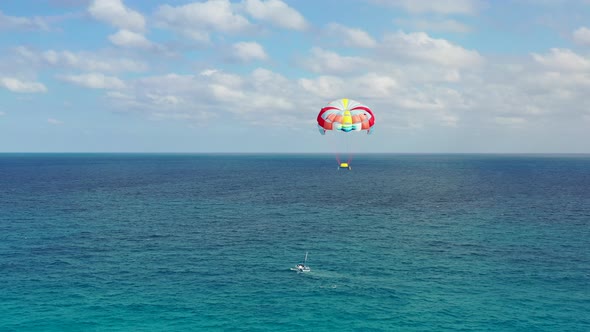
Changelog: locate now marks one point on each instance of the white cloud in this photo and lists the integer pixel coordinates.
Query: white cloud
(565, 78)
(54, 121)
(276, 12)
(171, 96)
(417, 82)
(468, 7)
(406, 94)
(90, 62)
(418, 46)
(69, 3)
(563, 59)
(16, 85)
(208, 72)
(230, 80)
(551, 3)
(22, 23)
(551, 93)
(164, 100)
(439, 25)
(399, 66)
(210, 95)
(159, 94)
(118, 95)
(353, 37)
(323, 61)
(582, 36)
(226, 93)
(509, 121)
(248, 51)
(195, 20)
(94, 81)
(396, 104)
(373, 85)
(115, 13)
(426, 83)
(324, 87)
(81, 60)
(370, 85)
(2, 113)
(129, 39)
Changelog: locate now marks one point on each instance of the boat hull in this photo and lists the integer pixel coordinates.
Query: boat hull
(301, 270)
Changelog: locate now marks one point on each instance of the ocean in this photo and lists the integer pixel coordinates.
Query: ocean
(205, 242)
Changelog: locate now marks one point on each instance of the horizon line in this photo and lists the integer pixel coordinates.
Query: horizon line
(292, 153)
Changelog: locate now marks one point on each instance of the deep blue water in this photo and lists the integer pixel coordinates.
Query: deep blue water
(133, 242)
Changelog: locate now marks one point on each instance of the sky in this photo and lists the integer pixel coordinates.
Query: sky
(448, 76)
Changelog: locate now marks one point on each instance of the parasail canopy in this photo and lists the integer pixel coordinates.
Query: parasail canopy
(345, 115)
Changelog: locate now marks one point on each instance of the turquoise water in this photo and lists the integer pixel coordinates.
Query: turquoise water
(101, 242)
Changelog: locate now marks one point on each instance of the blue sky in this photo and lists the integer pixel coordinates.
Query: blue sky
(251, 75)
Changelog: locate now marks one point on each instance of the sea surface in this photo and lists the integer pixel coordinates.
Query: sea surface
(191, 242)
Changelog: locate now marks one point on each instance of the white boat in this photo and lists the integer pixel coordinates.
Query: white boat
(301, 267)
